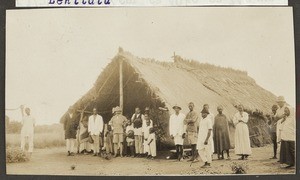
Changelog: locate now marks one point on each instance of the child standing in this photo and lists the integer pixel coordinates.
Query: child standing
(152, 143)
(130, 138)
(146, 136)
(108, 140)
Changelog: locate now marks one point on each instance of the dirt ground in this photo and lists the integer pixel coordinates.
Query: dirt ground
(55, 162)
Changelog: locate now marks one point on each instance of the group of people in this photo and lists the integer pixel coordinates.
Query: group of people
(282, 126)
(209, 134)
(121, 136)
(206, 134)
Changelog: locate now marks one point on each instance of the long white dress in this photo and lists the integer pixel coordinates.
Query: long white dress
(177, 127)
(242, 139)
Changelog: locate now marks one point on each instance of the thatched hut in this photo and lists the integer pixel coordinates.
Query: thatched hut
(158, 85)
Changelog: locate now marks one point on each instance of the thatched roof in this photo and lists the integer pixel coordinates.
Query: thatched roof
(155, 84)
(148, 82)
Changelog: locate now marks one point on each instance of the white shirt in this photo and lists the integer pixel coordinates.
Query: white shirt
(138, 131)
(28, 123)
(128, 128)
(176, 124)
(145, 124)
(280, 111)
(244, 117)
(146, 131)
(204, 125)
(288, 132)
(212, 118)
(95, 125)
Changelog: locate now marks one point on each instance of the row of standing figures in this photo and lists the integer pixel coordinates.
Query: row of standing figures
(205, 134)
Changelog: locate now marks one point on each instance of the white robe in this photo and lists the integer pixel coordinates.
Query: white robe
(177, 127)
(212, 118)
(146, 138)
(152, 146)
(242, 139)
(204, 125)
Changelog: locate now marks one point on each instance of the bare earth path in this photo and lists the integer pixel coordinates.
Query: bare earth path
(55, 162)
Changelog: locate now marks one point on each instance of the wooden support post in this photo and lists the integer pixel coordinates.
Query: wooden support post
(121, 83)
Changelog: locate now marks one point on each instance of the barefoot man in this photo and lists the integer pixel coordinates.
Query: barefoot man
(28, 123)
(190, 121)
(205, 140)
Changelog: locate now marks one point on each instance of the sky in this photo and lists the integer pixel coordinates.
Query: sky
(53, 56)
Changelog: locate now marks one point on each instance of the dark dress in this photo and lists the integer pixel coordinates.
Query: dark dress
(70, 126)
(221, 134)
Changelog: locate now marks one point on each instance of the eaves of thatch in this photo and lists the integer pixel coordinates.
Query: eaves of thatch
(162, 84)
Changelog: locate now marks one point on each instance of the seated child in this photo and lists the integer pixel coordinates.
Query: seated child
(130, 138)
(152, 143)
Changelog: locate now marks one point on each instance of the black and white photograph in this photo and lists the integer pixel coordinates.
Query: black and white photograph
(150, 91)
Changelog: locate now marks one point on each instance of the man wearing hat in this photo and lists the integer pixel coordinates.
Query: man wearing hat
(117, 123)
(191, 123)
(176, 129)
(205, 139)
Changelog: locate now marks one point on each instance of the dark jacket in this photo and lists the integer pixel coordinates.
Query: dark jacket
(70, 125)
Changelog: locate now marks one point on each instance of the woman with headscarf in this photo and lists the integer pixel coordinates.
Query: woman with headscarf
(242, 139)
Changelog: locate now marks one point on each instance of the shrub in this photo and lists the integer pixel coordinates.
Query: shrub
(15, 155)
(13, 127)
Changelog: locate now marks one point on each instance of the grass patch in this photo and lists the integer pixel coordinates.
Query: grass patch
(40, 140)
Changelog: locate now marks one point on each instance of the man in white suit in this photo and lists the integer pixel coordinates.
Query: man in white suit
(95, 128)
